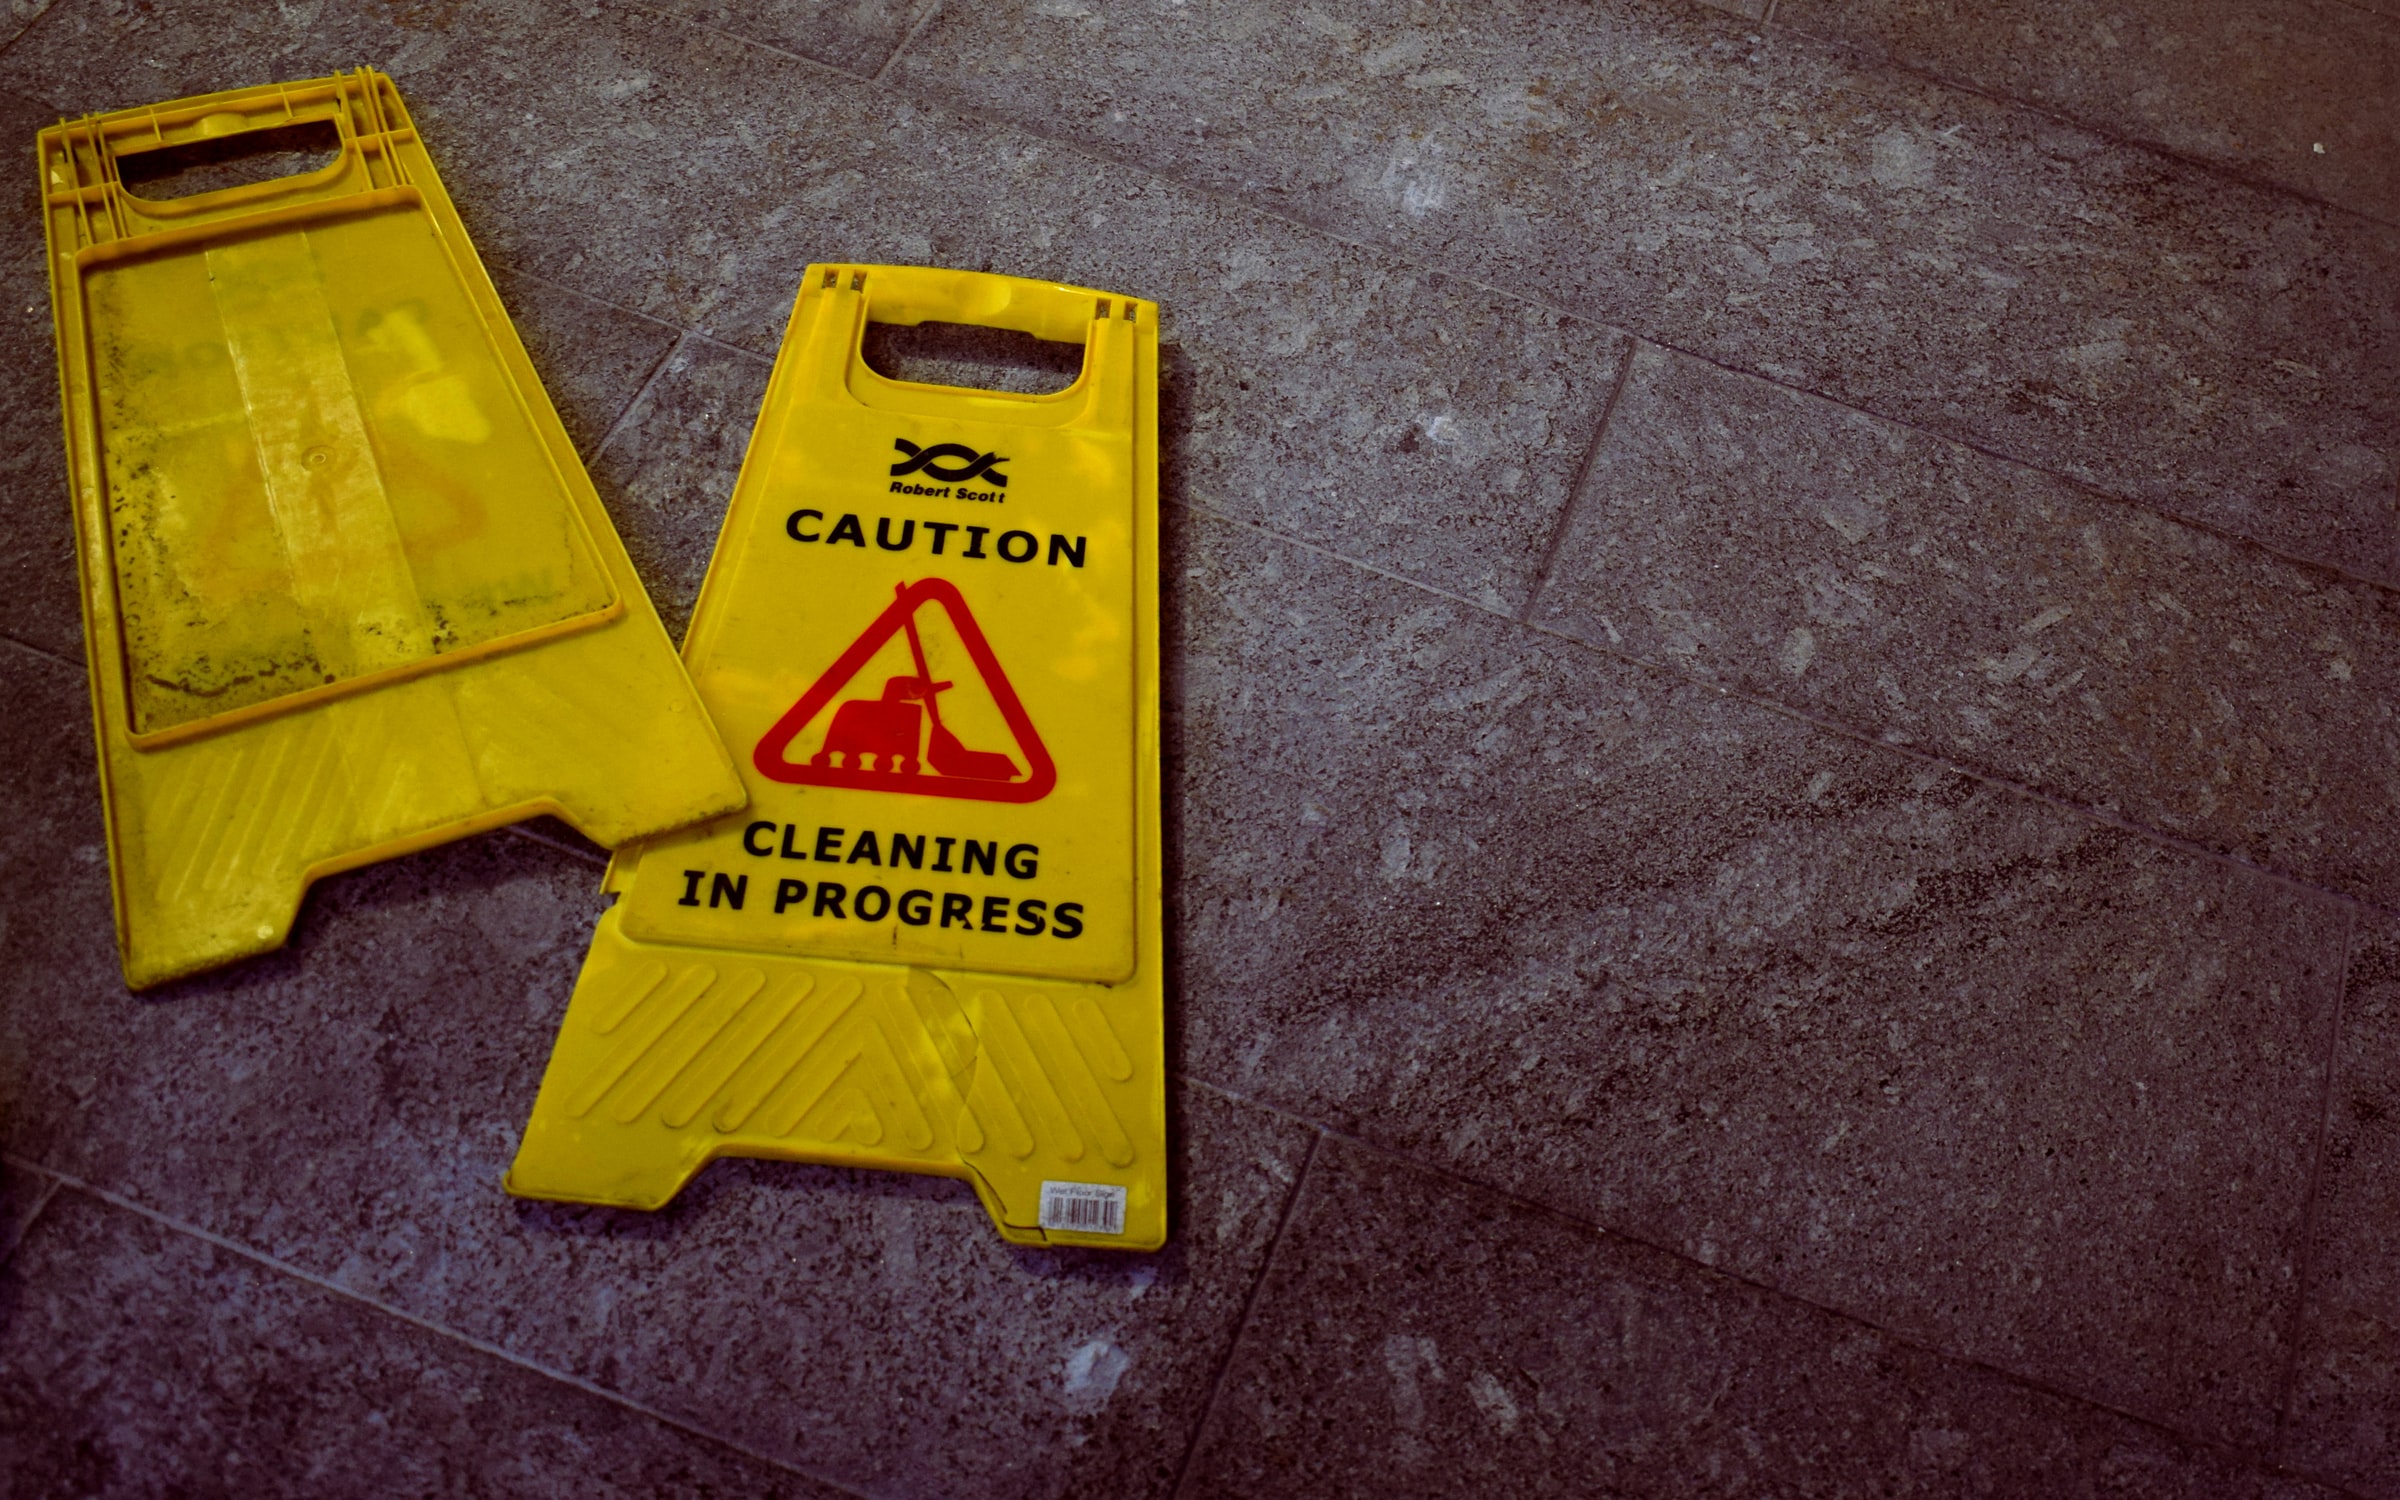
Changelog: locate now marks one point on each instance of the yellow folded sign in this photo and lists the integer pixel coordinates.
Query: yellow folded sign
(347, 591)
(932, 941)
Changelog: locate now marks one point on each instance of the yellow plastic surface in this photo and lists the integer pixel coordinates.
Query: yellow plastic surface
(931, 944)
(347, 590)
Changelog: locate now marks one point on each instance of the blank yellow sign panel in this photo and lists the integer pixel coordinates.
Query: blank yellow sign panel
(347, 591)
(931, 942)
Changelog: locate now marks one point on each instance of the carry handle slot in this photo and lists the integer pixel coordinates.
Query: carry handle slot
(969, 356)
(137, 173)
(841, 302)
(241, 158)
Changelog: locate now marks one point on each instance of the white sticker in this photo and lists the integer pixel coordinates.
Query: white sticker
(1084, 1207)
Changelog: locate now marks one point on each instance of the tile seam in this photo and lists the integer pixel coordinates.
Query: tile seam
(44, 652)
(916, 29)
(1581, 480)
(427, 1325)
(641, 393)
(714, 342)
(2253, 1459)
(1362, 565)
(696, 24)
(24, 1228)
(39, 17)
(1869, 52)
(2305, 1256)
(556, 285)
(1241, 1326)
(1522, 296)
(1820, 723)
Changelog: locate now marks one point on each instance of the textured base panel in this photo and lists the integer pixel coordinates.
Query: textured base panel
(215, 842)
(672, 1056)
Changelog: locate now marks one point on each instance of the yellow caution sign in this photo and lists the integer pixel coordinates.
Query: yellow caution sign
(932, 941)
(347, 591)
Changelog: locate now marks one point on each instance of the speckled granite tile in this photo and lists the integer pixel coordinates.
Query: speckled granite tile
(1993, 615)
(1418, 1337)
(2295, 92)
(135, 1360)
(37, 529)
(23, 1191)
(494, 925)
(2344, 1419)
(2028, 1088)
(1934, 255)
(592, 357)
(348, 1105)
(858, 36)
(1403, 418)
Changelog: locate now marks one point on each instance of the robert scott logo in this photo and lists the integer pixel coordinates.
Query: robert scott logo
(970, 465)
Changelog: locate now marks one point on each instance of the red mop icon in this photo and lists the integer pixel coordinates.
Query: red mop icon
(896, 741)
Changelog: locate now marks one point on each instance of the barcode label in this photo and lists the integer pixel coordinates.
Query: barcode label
(1085, 1207)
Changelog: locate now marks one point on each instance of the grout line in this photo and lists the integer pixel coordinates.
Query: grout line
(915, 30)
(2257, 1459)
(1328, 553)
(2304, 1258)
(1877, 55)
(452, 1335)
(640, 393)
(1241, 1325)
(714, 342)
(576, 291)
(1575, 487)
(24, 1227)
(651, 8)
(44, 652)
(1826, 725)
(22, 31)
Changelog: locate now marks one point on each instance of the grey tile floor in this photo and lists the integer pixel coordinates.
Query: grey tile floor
(1783, 771)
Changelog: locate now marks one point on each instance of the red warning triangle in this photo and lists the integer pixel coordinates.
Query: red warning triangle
(896, 741)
